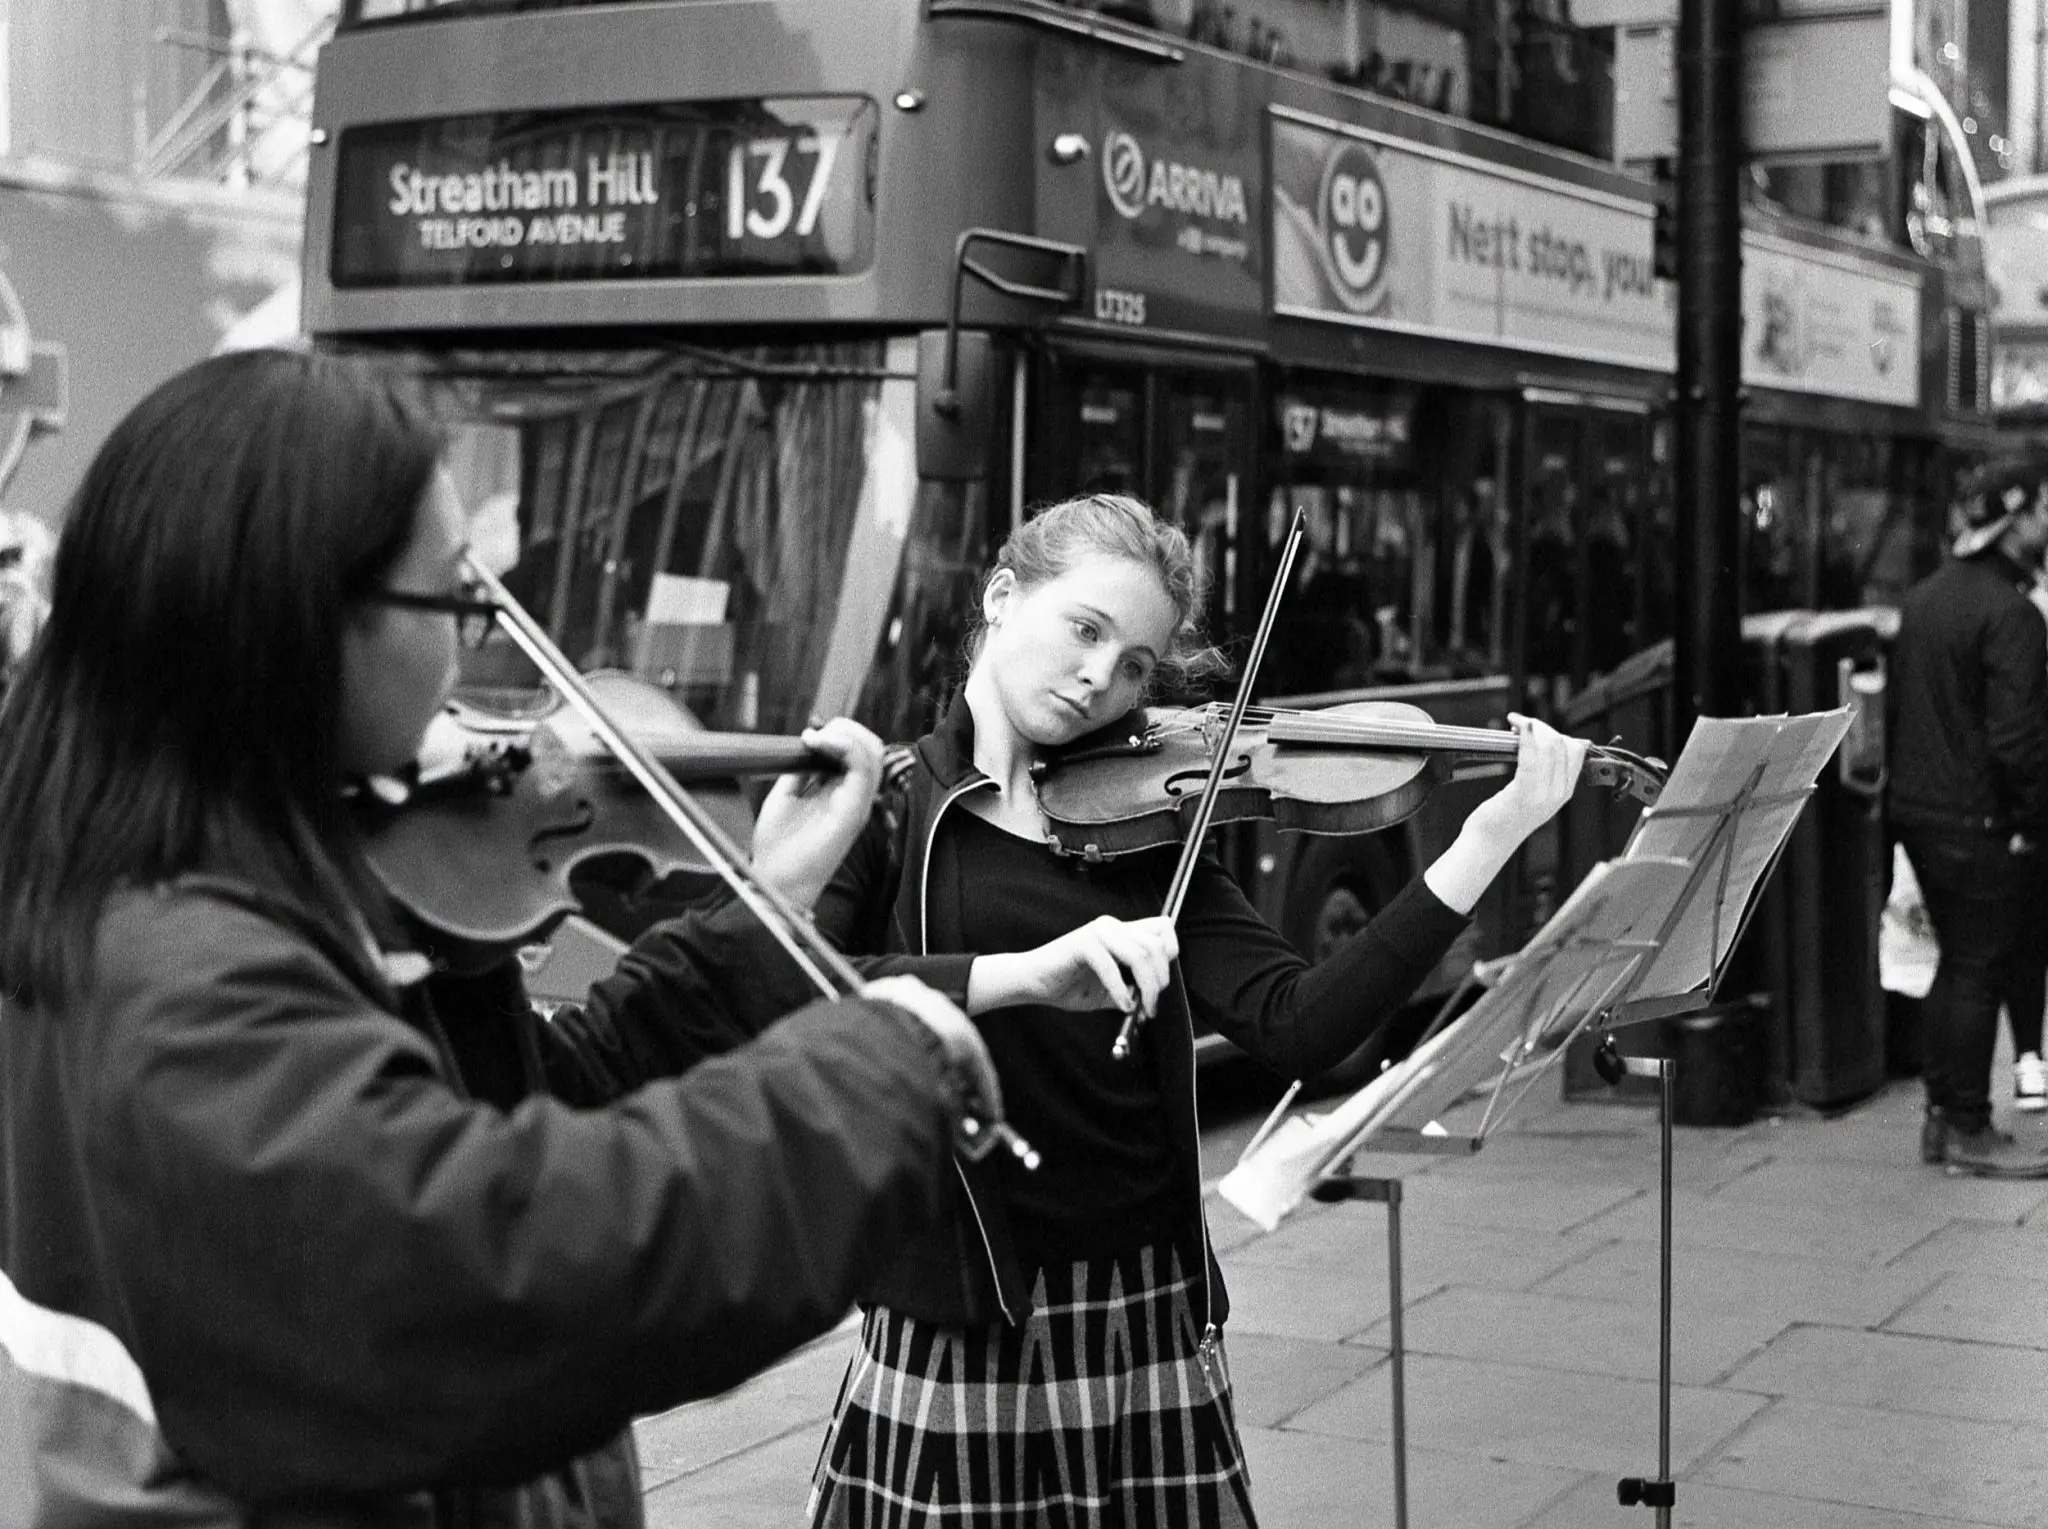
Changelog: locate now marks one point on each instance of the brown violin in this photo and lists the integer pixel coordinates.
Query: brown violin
(1344, 769)
(479, 841)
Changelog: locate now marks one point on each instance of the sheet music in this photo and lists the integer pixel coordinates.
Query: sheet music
(1570, 970)
(1784, 756)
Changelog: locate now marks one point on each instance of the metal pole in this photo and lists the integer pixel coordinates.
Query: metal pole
(1664, 1076)
(1400, 1369)
(1707, 425)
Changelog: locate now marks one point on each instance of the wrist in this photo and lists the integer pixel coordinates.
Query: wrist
(1460, 876)
(993, 982)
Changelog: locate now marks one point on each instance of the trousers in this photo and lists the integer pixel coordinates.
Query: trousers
(1981, 898)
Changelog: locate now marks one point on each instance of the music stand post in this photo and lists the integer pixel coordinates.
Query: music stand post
(1332, 1188)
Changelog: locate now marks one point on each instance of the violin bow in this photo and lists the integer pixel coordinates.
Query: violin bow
(1205, 804)
(816, 957)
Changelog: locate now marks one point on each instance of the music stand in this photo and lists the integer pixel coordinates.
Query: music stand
(1620, 951)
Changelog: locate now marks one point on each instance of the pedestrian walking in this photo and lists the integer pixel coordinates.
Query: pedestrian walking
(1969, 801)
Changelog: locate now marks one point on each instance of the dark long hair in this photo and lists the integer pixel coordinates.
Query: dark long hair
(180, 710)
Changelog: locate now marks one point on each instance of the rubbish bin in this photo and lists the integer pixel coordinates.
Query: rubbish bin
(1833, 878)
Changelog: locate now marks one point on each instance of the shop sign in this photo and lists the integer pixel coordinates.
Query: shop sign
(1822, 323)
(1377, 432)
(2019, 375)
(1167, 195)
(1370, 230)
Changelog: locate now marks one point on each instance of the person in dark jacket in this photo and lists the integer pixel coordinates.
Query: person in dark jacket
(1969, 802)
(1051, 1351)
(293, 1227)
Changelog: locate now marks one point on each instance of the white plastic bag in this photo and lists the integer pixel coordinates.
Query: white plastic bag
(1906, 951)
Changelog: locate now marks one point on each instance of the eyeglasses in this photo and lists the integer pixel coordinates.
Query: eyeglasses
(474, 615)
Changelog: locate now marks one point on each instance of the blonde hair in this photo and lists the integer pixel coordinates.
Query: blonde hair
(1061, 536)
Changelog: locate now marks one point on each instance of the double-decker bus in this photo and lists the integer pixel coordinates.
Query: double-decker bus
(773, 316)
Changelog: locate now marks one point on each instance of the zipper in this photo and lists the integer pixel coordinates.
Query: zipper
(924, 944)
(1208, 1351)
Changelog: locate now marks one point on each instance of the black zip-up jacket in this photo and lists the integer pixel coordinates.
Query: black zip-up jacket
(895, 901)
(1969, 702)
(284, 1242)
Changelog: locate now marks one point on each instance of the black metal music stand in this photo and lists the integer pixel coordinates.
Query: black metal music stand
(1633, 999)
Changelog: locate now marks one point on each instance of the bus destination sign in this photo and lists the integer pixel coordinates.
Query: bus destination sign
(778, 187)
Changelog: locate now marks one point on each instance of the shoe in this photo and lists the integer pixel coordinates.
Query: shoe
(1989, 1153)
(1934, 1136)
(2029, 1083)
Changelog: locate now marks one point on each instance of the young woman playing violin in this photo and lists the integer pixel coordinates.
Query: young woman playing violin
(288, 1228)
(1052, 1352)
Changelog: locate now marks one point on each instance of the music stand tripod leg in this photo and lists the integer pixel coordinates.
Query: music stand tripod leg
(1350, 1186)
(1660, 1494)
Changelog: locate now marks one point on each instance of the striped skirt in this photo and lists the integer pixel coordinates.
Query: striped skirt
(1096, 1413)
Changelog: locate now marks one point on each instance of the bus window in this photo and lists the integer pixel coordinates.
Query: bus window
(697, 525)
(1206, 452)
(1110, 431)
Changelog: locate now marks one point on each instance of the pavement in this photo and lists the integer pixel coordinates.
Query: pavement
(1859, 1340)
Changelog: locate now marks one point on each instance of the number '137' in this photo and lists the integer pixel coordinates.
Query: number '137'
(761, 201)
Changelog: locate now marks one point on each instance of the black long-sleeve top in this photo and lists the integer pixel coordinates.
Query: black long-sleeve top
(898, 903)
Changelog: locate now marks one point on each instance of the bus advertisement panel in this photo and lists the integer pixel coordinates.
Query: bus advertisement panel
(1371, 230)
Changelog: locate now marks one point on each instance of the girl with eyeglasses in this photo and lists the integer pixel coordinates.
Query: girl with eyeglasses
(292, 1228)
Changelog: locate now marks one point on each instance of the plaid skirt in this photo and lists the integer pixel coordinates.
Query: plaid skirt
(1096, 1412)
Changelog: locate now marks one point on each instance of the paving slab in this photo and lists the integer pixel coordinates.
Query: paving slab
(1843, 1233)
(1980, 1307)
(1572, 1422)
(796, 1394)
(1943, 1468)
(1480, 1200)
(1597, 1337)
(1593, 1506)
(762, 1488)
(1309, 1481)
(1975, 1247)
(1285, 1302)
(1350, 1240)
(1785, 1288)
(1912, 1189)
(1897, 1372)
(1271, 1378)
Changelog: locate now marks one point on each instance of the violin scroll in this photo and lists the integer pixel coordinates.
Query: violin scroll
(1625, 773)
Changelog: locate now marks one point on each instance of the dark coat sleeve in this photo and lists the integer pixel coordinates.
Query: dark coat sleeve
(2016, 710)
(340, 1276)
(1254, 987)
(691, 987)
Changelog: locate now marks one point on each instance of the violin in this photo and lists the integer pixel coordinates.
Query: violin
(480, 840)
(1345, 769)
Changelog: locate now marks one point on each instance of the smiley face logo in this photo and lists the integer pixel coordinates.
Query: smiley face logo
(1352, 218)
(1123, 173)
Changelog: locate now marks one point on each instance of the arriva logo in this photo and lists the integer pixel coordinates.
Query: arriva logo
(1189, 189)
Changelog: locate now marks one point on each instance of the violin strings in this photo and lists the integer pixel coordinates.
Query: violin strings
(1311, 727)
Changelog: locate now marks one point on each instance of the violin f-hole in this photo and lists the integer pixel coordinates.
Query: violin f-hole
(583, 814)
(1181, 782)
